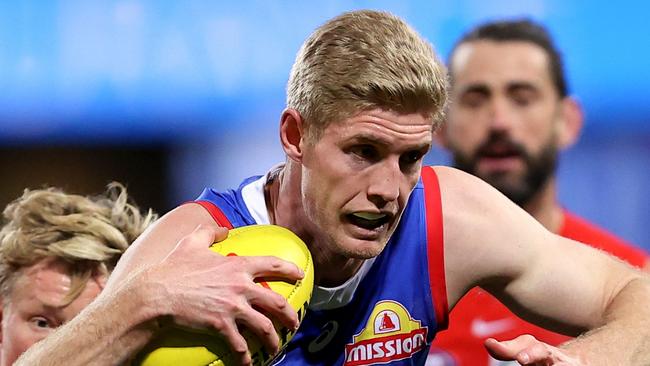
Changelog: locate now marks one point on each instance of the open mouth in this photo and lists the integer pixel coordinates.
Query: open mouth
(368, 220)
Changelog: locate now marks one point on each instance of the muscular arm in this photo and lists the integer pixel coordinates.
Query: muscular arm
(546, 279)
(155, 243)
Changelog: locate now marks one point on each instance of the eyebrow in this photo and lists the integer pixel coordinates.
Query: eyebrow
(510, 87)
(476, 88)
(374, 140)
(46, 309)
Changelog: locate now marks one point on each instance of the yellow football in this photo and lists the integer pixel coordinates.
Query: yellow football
(175, 345)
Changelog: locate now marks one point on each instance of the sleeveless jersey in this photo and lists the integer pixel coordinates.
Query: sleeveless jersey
(478, 315)
(399, 304)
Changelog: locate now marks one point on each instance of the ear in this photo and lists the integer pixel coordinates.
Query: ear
(292, 133)
(571, 122)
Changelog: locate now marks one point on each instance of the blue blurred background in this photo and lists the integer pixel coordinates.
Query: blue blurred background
(172, 96)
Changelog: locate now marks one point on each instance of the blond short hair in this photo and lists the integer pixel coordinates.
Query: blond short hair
(364, 60)
(89, 234)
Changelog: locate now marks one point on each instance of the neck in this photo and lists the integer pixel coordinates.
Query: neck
(284, 204)
(544, 206)
(331, 269)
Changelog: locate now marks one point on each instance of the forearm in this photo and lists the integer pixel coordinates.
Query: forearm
(107, 332)
(625, 337)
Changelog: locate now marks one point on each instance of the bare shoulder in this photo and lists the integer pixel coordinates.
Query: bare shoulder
(458, 187)
(469, 201)
(160, 238)
(486, 235)
(646, 267)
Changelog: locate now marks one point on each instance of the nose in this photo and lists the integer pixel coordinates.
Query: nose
(500, 115)
(385, 184)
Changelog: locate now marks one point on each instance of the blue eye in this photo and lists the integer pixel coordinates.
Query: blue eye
(40, 322)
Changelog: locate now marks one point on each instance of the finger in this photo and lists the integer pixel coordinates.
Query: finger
(275, 305)
(499, 350)
(262, 327)
(236, 341)
(270, 266)
(216, 233)
(202, 237)
(537, 353)
(220, 233)
(508, 350)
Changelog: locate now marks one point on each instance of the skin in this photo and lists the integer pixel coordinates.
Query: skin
(365, 166)
(493, 243)
(35, 306)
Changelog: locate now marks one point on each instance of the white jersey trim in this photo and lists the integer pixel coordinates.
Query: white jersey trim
(327, 298)
(253, 195)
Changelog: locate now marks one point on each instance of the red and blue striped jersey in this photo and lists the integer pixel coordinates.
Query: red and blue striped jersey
(399, 304)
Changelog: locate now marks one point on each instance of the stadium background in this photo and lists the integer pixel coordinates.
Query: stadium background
(172, 96)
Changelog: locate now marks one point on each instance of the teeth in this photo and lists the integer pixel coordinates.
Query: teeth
(369, 215)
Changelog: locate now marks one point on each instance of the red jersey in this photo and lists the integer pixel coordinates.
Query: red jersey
(479, 315)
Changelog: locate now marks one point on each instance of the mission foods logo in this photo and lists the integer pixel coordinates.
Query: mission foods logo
(390, 334)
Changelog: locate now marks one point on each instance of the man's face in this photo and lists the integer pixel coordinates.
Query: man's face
(504, 115)
(34, 306)
(358, 176)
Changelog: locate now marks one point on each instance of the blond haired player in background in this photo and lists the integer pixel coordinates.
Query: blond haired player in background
(364, 97)
(510, 114)
(56, 252)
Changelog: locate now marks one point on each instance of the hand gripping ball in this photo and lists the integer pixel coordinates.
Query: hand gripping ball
(176, 345)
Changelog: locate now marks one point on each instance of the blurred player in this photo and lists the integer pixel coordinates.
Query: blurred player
(510, 115)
